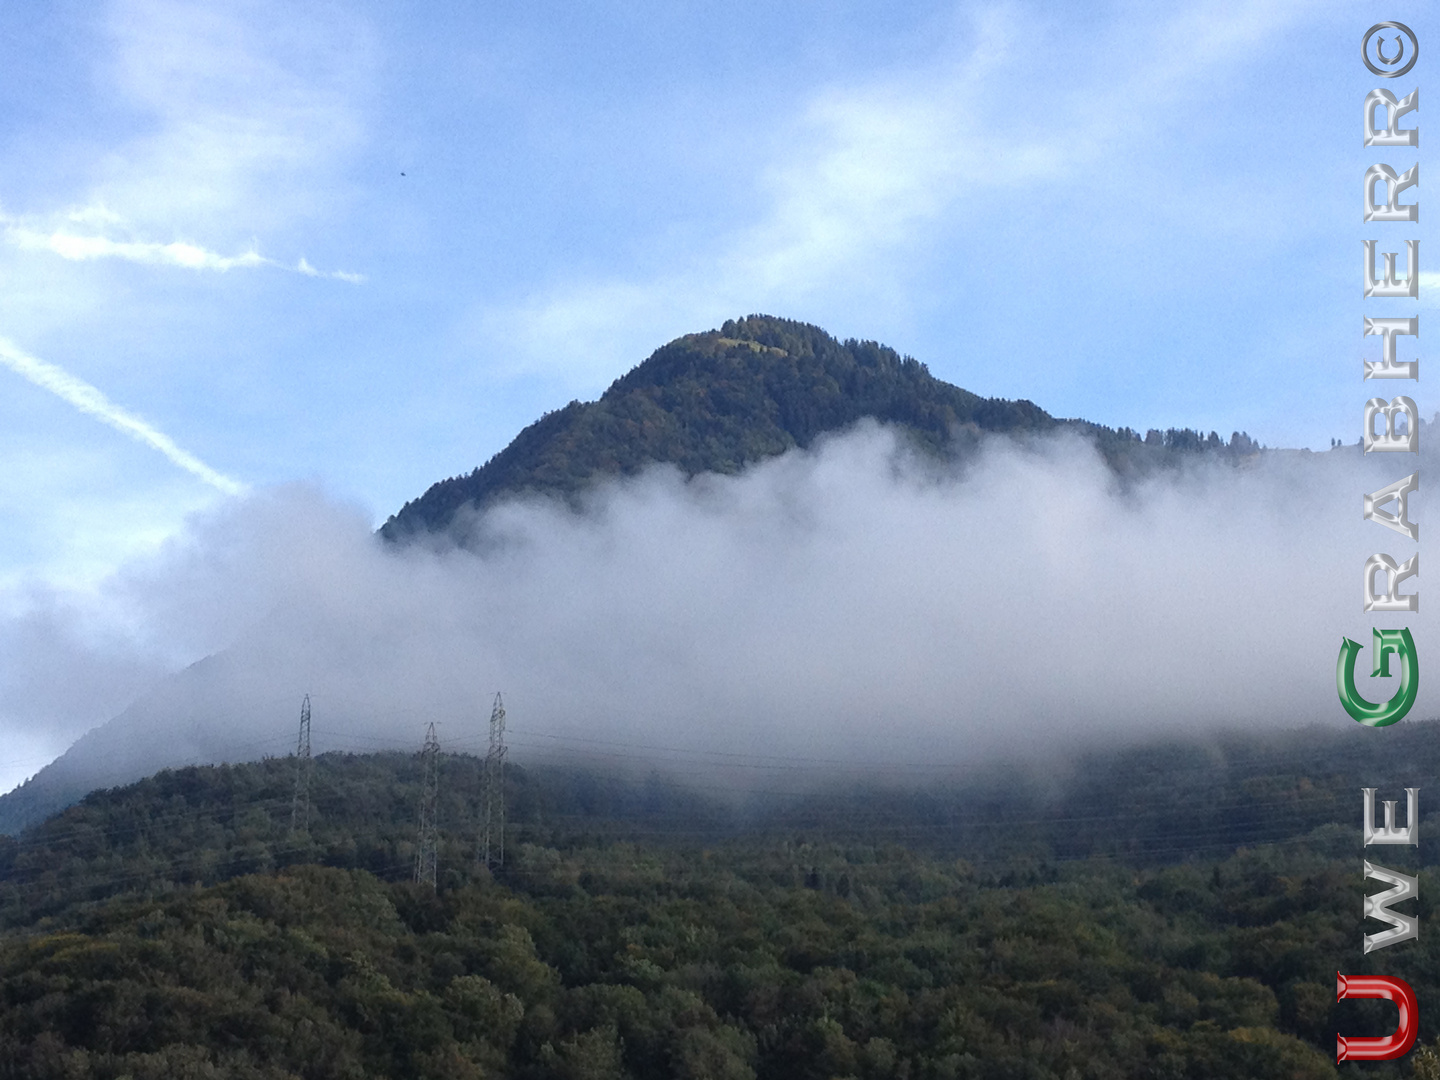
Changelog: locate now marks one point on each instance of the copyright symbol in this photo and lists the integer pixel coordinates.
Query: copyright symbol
(1381, 53)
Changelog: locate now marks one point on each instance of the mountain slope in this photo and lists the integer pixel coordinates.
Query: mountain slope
(718, 401)
(179, 928)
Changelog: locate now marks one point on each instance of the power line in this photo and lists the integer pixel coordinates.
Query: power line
(427, 848)
(492, 791)
(304, 767)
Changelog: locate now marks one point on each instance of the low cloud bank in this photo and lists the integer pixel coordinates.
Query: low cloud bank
(845, 604)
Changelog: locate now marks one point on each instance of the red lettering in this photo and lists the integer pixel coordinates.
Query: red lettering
(1389, 1046)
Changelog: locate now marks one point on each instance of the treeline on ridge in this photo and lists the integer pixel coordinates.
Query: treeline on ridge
(721, 400)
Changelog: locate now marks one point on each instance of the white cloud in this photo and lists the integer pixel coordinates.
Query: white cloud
(84, 512)
(252, 111)
(843, 603)
(95, 215)
(246, 120)
(304, 267)
(178, 253)
(91, 401)
(84, 248)
(871, 173)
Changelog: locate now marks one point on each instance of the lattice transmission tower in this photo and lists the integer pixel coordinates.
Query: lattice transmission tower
(304, 765)
(427, 852)
(492, 791)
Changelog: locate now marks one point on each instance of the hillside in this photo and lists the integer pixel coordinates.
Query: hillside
(721, 400)
(716, 401)
(177, 927)
(1146, 805)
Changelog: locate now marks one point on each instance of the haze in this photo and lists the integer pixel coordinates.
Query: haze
(845, 603)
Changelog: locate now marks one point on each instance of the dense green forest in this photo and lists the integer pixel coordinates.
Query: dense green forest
(1171, 910)
(718, 401)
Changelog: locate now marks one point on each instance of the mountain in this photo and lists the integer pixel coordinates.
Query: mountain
(709, 402)
(1176, 911)
(724, 399)
(163, 728)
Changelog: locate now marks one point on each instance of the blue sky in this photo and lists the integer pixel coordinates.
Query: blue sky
(364, 244)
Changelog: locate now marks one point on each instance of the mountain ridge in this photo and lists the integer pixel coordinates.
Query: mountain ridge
(724, 399)
(718, 401)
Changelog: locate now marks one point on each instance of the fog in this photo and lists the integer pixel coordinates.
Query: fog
(849, 603)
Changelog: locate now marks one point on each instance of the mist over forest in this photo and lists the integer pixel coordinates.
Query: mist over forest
(963, 715)
(905, 695)
(853, 601)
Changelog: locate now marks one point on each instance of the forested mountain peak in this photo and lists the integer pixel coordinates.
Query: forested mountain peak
(756, 387)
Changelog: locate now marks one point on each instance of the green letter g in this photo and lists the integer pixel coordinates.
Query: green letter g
(1387, 712)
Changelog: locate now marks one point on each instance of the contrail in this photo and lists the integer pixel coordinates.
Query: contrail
(88, 399)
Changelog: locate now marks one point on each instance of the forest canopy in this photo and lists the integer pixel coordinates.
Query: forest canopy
(1172, 910)
(725, 399)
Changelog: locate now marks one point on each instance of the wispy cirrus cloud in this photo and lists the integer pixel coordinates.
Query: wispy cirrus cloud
(91, 401)
(201, 142)
(85, 248)
(253, 106)
(245, 124)
(82, 248)
(871, 173)
(304, 267)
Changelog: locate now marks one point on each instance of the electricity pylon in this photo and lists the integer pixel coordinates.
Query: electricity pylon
(492, 791)
(304, 765)
(427, 850)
